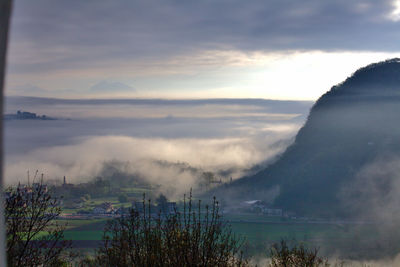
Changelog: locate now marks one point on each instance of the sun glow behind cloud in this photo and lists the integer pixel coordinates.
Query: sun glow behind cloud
(307, 75)
(262, 49)
(285, 75)
(395, 14)
(209, 74)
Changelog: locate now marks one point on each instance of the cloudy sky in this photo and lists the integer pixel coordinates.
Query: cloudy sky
(273, 49)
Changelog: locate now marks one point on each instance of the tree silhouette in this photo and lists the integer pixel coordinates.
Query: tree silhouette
(34, 238)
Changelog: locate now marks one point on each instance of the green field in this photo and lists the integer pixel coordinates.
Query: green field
(136, 192)
(83, 235)
(259, 233)
(256, 233)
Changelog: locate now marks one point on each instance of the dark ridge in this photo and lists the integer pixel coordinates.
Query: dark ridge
(349, 127)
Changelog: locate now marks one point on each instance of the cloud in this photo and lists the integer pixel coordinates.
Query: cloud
(260, 109)
(225, 136)
(198, 48)
(373, 198)
(395, 14)
(105, 32)
(111, 86)
(375, 193)
(85, 159)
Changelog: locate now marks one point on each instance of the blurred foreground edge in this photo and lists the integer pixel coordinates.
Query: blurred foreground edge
(5, 12)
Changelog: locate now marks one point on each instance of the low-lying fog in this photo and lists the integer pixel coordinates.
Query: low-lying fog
(228, 137)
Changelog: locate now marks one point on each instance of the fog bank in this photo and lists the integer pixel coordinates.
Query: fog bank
(226, 137)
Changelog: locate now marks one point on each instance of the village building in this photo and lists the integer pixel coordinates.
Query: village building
(65, 185)
(273, 212)
(104, 208)
(259, 206)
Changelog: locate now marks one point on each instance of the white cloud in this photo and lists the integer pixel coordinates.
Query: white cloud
(395, 14)
(84, 160)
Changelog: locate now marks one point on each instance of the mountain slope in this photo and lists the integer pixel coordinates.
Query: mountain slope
(349, 127)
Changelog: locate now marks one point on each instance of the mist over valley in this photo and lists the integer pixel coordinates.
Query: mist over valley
(226, 137)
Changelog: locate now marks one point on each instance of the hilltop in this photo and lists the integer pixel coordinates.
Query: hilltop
(349, 127)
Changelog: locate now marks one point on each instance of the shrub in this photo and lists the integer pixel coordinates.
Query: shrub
(191, 238)
(283, 256)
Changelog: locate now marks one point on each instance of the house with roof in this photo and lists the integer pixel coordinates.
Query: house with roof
(104, 208)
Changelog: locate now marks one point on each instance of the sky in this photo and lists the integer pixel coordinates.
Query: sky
(271, 49)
